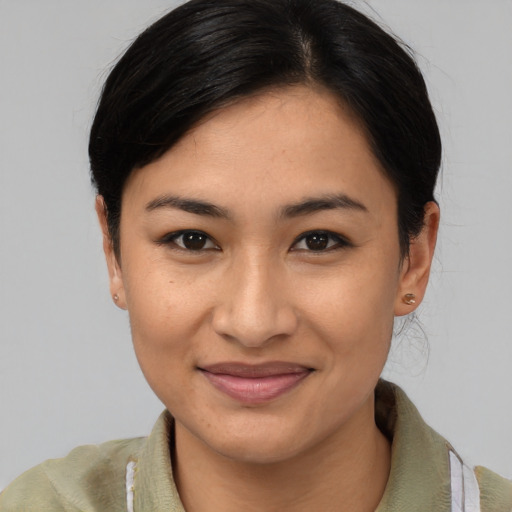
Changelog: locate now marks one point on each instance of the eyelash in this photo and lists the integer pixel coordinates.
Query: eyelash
(336, 241)
(339, 241)
(171, 240)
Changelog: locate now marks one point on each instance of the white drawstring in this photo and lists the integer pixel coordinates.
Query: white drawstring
(464, 486)
(130, 479)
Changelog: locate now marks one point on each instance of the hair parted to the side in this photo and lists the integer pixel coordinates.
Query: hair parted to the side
(206, 54)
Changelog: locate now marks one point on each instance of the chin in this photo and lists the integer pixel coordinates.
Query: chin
(258, 452)
(266, 441)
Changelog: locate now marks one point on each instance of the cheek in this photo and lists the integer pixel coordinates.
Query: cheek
(353, 308)
(158, 293)
(166, 310)
(359, 291)
(163, 340)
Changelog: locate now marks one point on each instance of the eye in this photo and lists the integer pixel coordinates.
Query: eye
(318, 241)
(190, 240)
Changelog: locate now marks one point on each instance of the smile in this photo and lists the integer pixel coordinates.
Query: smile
(255, 384)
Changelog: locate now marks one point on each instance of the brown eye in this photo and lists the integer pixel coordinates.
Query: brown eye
(320, 241)
(194, 241)
(317, 241)
(190, 241)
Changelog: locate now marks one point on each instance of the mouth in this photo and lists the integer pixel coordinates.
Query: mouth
(255, 384)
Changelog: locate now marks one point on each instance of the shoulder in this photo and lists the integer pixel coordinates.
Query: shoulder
(495, 491)
(90, 477)
(426, 471)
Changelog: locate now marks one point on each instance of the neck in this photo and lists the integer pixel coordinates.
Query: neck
(346, 472)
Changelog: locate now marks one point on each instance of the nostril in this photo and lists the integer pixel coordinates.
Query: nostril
(252, 328)
(253, 305)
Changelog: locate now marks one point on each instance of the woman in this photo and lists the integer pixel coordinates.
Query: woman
(265, 174)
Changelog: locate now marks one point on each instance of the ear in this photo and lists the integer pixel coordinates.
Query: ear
(416, 266)
(114, 268)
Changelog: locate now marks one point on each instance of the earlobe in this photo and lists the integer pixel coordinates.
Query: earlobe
(114, 268)
(416, 267)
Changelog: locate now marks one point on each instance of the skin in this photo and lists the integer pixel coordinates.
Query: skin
(257, 293)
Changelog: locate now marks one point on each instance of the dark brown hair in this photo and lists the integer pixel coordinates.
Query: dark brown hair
(207, 53)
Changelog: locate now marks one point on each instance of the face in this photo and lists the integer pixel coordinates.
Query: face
(261, 269)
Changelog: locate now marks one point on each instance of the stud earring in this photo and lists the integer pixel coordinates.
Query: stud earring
(409, 299)
(115, 297)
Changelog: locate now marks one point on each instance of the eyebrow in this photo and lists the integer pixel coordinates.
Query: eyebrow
(306, 206)
(318, 204)
(188, 205)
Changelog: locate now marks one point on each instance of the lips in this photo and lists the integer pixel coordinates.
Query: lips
(255, 384)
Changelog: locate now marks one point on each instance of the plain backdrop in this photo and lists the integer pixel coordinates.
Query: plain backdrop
(68, 375)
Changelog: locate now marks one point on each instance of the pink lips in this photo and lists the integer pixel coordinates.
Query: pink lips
(255, 384)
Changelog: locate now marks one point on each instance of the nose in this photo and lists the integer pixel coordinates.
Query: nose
(253, 307)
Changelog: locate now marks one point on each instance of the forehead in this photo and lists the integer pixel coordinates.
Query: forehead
(276, 147)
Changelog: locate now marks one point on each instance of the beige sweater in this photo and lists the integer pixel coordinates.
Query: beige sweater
(136, 474)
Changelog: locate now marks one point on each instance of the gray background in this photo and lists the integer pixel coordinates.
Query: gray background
(67, 372)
